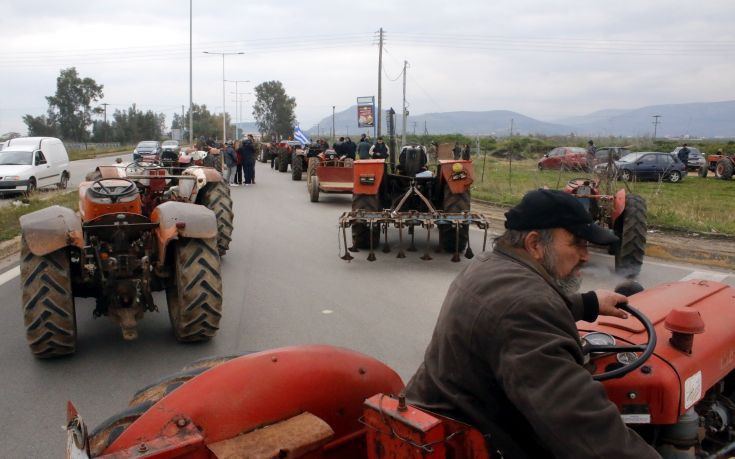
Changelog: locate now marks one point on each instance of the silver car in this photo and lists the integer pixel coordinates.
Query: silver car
(696, 158)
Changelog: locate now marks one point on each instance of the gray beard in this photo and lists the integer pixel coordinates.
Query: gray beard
(569, 284)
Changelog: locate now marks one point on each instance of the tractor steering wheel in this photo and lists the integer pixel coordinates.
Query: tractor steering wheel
(646, 349)
(116, 192)
(141, 165)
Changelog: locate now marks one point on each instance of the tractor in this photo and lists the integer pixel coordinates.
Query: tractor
(411, 198)
(327, 173)
(722, 165)
(286, 151)
(119, 250)
(668, 368)
(624, 213)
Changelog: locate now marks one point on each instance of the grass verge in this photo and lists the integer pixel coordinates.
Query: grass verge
(695, 204)
(75, 155)
(9, 216)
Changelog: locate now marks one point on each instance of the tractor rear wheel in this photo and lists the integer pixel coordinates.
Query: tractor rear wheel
(631, 230)
(724, 169)
(361, 233)
(48, 302)
(454, 203)
(703, 171)
(216, 197)
(313, 187)
(297, 167)
(195, 298)
(283, 161)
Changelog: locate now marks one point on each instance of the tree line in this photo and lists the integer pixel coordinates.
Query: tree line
(72, 108)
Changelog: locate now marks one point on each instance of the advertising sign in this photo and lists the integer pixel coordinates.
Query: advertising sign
(365, 112)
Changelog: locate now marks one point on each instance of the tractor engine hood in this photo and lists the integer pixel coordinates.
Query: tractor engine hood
(672, 380)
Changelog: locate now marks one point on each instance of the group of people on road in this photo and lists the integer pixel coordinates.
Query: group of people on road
(240, 161)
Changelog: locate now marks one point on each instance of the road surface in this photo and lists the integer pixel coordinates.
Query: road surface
(284, 284)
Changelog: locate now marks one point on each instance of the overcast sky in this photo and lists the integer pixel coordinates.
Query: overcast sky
(545, 59)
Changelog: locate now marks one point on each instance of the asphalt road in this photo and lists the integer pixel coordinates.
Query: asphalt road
(284, 284)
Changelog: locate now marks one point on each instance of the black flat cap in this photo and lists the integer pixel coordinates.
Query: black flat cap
(544, 209)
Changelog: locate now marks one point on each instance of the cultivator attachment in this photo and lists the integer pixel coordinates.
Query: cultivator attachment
(448, 224)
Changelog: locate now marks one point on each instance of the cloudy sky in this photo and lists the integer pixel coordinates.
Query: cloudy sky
(545, 59)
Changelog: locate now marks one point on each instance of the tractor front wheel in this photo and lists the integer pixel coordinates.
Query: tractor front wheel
(724, 169)
(283, 161)
(454, 203)
(216, 197)
(297, 167)
(361, 233)
(195, 297)
(631, 229)
(48, 302)
(703, 171)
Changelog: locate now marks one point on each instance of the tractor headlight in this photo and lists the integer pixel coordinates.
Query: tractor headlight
(367, 179)
(457, 168)
(458, 172)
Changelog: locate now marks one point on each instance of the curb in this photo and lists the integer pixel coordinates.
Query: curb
(9, 248)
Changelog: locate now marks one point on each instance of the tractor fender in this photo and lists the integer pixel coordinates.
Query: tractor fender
(111, 172)
(50, 229)
(458, 182)
(367, 174)
(618, 205)
(198, 223)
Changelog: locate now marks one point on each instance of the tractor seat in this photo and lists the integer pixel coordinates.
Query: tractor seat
(411, 161)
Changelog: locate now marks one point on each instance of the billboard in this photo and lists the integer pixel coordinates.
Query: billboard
(366, 111)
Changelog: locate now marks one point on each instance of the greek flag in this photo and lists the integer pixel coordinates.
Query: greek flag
(300, 136)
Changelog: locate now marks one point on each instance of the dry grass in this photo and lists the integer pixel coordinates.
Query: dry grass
(9, 223)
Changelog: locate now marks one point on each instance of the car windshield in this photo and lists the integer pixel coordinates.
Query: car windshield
(170, 143)
(16, 158)
(147, 144)
(631, 157)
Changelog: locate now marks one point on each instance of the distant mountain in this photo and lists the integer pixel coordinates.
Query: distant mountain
(704, 119)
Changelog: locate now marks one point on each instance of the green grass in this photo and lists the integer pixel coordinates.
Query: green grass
(695, 204)
(93, 153)
(9, 223)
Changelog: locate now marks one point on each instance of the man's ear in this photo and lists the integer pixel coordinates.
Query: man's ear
(532, 244)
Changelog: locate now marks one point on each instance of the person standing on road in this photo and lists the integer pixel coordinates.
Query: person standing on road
(363, 148)
(683, 154)
(506, 356)
(457, 151)
(248, 156)
(466, 152)
(231, 162)
(239, 167)
(379, 150)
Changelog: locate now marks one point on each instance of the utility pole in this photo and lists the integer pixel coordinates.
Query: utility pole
(380, 80)
(224, 111)
(181, 125)
(405, 112)
(414, 128)
(655, 125)
(426, 130)
(334, 134)
(191, 111)
(104, 132)
(510, 158)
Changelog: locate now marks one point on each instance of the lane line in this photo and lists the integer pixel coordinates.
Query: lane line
(9, 275)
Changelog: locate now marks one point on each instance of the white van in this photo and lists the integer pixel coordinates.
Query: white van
(27, 163)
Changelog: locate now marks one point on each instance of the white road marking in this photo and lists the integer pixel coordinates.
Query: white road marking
(327, 311)
(9, 275)
(705, 275)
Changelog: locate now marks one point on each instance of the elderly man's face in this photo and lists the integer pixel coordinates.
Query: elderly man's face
(563, 258)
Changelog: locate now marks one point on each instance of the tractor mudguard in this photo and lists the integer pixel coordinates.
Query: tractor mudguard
(458, 181)
(111, 172)
(212, 175)
(50, 229)
(198, 222)
(618, 205)
(368, 175)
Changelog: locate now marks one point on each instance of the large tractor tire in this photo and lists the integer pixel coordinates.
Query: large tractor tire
(214, 161)
(48, 303)
(453, 203)
(313, 187)
(297, 167)
(631, 228)
(724, 169)
(703, 171)
(195, 297)
(361, 233)
(216, 197)
(283, 161)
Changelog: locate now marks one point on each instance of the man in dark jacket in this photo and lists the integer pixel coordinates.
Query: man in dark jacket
(683, 154)
(247, 151)
(231, 162)
(506, 355)
(456, 151)
(363, 148)
(350, 148)
(379, 150)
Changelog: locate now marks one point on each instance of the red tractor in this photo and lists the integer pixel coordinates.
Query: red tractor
(623, 213)
(412, 197)
(327, 173)
(674, 388)
(722, 165)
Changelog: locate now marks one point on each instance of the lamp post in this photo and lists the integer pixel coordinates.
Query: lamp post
(191, 114)
(224, 111)
(334, 134)
(239, 98)
(237, 115)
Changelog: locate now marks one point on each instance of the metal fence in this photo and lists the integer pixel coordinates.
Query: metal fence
(90, 146)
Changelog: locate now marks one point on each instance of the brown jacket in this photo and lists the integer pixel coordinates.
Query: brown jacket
(506, 358)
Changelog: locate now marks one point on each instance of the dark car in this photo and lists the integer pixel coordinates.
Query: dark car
(569, 158)
(696, 158)
(651, 165)
(150, 149)
(606, 154)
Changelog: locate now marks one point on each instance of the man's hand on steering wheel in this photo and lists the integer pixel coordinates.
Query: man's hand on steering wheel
(609, 302)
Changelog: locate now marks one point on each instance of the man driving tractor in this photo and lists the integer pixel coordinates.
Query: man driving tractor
(506, 356)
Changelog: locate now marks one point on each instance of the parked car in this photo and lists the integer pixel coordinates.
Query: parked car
(650, 165)
(151, 149)
(696, 158)
(569, 158)
(608, 155)
(28, 163)
(170, 150)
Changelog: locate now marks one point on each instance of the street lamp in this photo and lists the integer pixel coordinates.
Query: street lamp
(237, 114)
(238, 107)
(224, 111)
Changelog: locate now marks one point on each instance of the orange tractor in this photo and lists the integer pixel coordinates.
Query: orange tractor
(668, 368)
(130, 239)
(722, 165)
(327, 173)
(412, 197)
